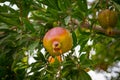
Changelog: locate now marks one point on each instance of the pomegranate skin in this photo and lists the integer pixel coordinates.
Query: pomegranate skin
(57, 41)
(107, 18)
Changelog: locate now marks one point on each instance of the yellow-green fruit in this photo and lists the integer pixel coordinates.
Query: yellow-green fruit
(108, 19)
(57, 41)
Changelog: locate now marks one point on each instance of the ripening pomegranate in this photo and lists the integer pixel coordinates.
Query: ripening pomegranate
(108, 19)
(57, 41)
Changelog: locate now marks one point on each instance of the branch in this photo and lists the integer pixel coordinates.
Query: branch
(99, 29)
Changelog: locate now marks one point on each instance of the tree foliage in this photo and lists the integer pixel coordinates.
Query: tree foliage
(22, 31)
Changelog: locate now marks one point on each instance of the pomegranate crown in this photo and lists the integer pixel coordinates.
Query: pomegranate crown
(56, 46)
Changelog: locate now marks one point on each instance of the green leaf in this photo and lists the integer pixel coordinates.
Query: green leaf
(9, 15)
(83, 41)
(33, 46)
(51, 4)
(8, 21)
(74, 39)
(67, 20)
(117, 1)
(82, 57)
(42, 16)
(84, 75)
(117, 6)
(4, 28)
(6, 8)
(41, 57)
(83, 5)
(28, 25)
(64, 4)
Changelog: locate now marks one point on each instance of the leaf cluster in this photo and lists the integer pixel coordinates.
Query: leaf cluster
(22, 31)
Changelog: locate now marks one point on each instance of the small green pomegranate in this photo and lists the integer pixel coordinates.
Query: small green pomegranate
(108, 20)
